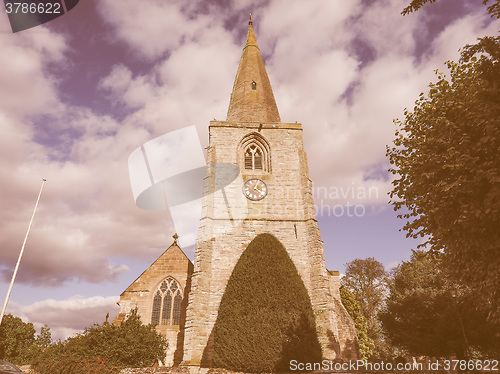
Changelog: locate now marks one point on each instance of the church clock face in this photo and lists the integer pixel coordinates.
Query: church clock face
(255, 189)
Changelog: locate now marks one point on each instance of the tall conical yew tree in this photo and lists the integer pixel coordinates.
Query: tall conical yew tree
(265, 317)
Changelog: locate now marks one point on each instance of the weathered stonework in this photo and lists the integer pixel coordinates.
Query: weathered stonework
(172, 263)
(252, 96)
(230, 222)
(347, 331)
(287, 212)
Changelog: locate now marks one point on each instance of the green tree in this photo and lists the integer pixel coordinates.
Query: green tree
(265, 316)
(131, 344)
(128, 345)
(366, 345)
(493, 8)
(16, 340)
(447, 165)
(366, 279)
(421, 316)
(43, 339)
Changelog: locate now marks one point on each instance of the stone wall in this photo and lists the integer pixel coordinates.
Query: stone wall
(230, 222)
(346, 327)
(174, 263)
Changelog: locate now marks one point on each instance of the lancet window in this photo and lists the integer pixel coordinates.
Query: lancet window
(167, 303)
(253, 157)
(255, 153)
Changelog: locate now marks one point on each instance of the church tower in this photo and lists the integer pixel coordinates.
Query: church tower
(270, 192)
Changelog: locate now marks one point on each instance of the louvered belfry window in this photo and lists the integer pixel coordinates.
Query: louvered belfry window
(253, 158)
(167, 304)
(254, 153)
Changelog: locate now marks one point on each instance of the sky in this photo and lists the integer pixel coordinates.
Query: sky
(80, 93)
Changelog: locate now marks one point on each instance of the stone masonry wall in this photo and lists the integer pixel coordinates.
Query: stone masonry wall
(174, 263)
(346, 327)
(226, 230)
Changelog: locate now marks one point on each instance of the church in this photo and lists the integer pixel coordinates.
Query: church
(274, 196)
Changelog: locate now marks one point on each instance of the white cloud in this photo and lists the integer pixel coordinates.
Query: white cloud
(66, 318)
(86, 213)
(314, 60)
(383, 29)
(459, 33)
(157, 28)
(346, 107)
(134, 92)
(25, 88)
(391, 265)
(319, 26)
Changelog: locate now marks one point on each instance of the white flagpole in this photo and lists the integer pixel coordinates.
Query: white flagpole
(20, 255)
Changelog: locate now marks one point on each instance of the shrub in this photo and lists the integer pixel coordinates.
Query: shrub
(105, 348)
(265, 317)
(67, 364)
(18, 343)
(366, 345)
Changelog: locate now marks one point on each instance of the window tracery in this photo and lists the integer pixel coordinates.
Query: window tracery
(167, 303)
(253, 157)
(255, 153)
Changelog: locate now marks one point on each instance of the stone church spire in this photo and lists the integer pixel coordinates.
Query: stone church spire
(252, 99)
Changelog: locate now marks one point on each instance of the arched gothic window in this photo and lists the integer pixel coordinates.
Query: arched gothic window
(253, 157)
(255, 153)
(167, 303)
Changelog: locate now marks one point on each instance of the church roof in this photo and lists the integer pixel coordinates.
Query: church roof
(172, 260)
(252, 99)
